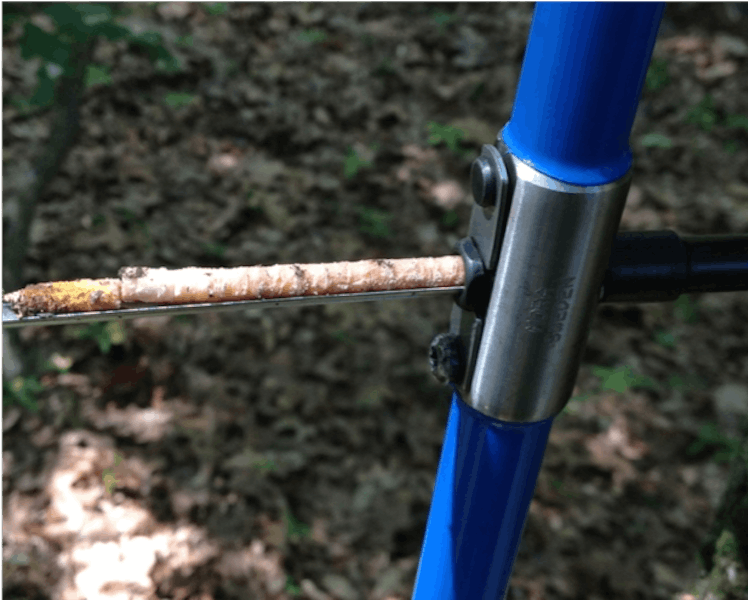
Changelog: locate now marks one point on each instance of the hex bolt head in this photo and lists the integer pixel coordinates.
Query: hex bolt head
(483, 182)
(446, 358)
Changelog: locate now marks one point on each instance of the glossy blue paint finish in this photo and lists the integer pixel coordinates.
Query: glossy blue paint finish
(581, 80)
(486, 478)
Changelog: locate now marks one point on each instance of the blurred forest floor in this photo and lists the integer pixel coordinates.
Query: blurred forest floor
(291, 453)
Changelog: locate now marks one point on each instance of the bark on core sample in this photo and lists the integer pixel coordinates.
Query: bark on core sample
(82, 295)
(144, 285)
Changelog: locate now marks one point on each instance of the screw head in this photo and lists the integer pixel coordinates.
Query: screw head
(483, 182)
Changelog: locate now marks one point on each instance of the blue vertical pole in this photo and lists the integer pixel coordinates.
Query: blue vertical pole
(579, 89)
(484, 485)
(581, 79)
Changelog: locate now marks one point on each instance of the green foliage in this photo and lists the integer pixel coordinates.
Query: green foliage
(216, 8)
(727, 545)
(737, 122)
(656, 140)
(127, 214)
(664, 338)
(296, 529)
(37, 42)
(97, 75)
(731, 147)
(106, 335)
(343, 336)
(443, 19)
(703, 114)
(676, 382)
(712, 439)
(178, 99)
(76, 24)
(450, 219)
(185, 40)
(214, 249)
(152, 44)
(312, 36)
(352, 163)
(291, 588)
(657, 75)
(728, 578)
(22, 391)
(686, 309)
(375, 222)
(108, 476)
(45, 90)
(264, 464)
(446, 134)
(620, 379)
(689, 381)
(734, 122)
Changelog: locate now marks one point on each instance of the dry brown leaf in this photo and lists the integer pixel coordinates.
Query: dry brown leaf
(172, 11)
(685, 44)
(223, 164)
(604, 455)
(448, 194)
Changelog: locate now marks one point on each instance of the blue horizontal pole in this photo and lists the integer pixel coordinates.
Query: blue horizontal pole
(582, 76)
(486, 478)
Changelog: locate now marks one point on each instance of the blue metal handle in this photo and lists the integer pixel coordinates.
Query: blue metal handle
(486, 478)
(582, 76)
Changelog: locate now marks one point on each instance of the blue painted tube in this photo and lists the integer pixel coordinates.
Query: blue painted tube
(581, 80)
(486, 478)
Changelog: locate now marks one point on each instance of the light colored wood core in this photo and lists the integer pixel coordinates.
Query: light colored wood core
(144, 285)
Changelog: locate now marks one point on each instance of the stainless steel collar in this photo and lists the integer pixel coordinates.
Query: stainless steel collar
(552, 260)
